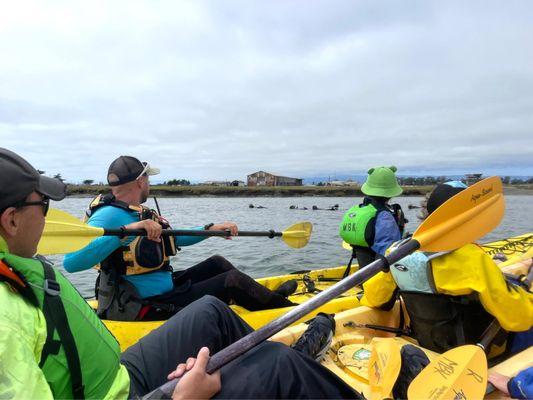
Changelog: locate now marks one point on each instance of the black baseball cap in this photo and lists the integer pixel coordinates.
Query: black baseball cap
(442, 193)
(18, 179)
(126, 169)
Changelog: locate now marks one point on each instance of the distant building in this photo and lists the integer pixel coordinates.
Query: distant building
(237, 183)
(216, 183)
(349, 182)
(472, 178)
(262, 178)
(335, 183)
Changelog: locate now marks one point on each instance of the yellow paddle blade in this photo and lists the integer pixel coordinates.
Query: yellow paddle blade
(464, 218)
(64, 233)
(297, 235)
(460, 373)
(346, 246)
(383, 368)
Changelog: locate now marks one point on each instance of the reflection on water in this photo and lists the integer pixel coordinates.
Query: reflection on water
(262, 256)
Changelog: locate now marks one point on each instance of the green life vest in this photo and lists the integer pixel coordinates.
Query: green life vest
(80, 358)
(358, 225)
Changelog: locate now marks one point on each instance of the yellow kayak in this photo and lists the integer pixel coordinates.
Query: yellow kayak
(128, 333)
(351, 347)
(506, 252)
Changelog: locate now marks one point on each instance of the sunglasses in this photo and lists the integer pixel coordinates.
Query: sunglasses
(144, 172)
(44, 203)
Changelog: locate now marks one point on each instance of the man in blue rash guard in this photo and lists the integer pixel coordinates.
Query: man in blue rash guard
(136, 280)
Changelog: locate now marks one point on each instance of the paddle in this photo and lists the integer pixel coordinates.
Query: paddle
(459, 373)
(64, 233)
(383, 368)
(462, 219)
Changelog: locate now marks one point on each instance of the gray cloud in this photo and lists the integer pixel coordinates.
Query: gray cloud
(213, 90)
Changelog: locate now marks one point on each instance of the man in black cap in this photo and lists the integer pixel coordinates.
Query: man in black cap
(52, 345)
(136, 280)
(23, 192)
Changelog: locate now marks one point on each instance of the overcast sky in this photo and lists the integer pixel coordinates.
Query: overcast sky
(219, 89)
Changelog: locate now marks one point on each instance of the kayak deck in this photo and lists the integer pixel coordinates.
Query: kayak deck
(352, 345)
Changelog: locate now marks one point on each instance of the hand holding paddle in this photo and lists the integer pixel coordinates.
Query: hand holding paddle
(197, 383)
(64, 233)
(462, 219)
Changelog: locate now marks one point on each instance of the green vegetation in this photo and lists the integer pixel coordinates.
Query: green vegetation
(244, 191)
(267, 191)
(177, 182)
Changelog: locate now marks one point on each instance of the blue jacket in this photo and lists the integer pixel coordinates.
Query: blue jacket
(521, 386)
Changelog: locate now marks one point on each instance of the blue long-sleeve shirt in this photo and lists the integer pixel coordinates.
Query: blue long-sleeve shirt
(521, 386)
(110, 217)
(387, 232)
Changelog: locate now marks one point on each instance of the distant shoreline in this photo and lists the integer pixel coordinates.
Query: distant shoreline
(268, 191)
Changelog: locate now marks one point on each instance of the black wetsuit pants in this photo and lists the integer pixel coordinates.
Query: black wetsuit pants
(217, 277)
(270, 370)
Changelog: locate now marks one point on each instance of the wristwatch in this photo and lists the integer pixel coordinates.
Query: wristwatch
(206, 227)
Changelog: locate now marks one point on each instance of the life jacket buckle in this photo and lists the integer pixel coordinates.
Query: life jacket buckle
(51, 287)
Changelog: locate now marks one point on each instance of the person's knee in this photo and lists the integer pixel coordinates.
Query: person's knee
(236, 279)
(209, 302)
(277, 351)
(204, 312)
(217, 259)
(221, 262)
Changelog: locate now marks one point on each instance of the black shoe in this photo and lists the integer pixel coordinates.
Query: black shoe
(316, 339)
(287, 288)
(414, 360)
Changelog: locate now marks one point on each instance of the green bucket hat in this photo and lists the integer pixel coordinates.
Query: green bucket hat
(382, 182)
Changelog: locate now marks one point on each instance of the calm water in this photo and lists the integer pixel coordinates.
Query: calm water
(262, 256)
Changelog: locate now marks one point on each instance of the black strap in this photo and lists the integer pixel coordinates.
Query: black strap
(349, 266)
(168, 307)
(56, 319)
(310, 284)
(402, 319)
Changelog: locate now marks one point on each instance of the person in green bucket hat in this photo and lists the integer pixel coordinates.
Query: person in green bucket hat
(372, 226)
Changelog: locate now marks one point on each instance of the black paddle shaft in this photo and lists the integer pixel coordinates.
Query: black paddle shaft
(189, 232)
(251, 340)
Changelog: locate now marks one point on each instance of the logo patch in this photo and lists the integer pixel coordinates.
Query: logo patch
(401, 267)
(361, 355)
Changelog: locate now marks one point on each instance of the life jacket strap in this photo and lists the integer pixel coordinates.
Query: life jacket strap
(349, 265)
(56, 319)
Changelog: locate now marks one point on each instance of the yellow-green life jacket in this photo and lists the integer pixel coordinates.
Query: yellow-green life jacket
(80, 358)
(358, 225)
